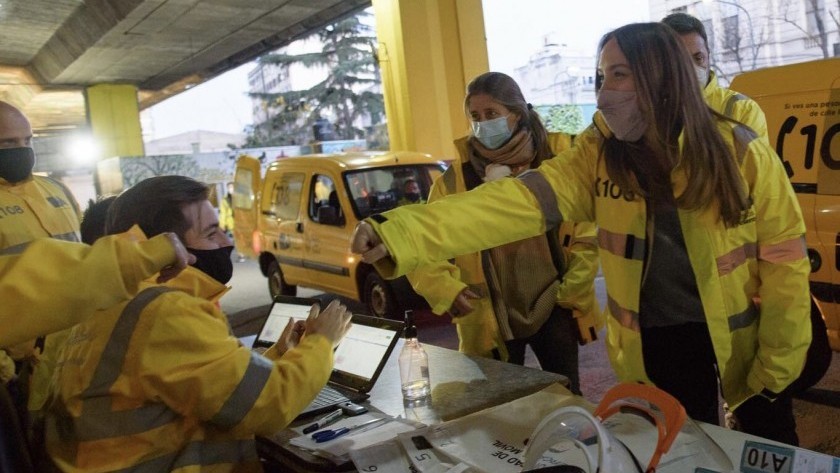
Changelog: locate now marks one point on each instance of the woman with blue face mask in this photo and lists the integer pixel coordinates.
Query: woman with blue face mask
(534, 292)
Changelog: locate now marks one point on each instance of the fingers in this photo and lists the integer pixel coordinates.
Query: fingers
(182, 259)
(333, 322)
(470, 294)
(375, 254)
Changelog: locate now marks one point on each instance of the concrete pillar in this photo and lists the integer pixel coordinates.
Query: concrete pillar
(114, 119)
(428, 51)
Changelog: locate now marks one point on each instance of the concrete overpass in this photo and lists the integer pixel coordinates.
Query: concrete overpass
(95, 63)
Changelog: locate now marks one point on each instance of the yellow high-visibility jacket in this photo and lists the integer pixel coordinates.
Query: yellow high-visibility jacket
(440, 283)
(732, 104)
(37, 207)
(758, 349)
(81, 279)
(159, 384)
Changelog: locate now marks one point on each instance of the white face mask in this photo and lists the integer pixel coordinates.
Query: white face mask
(622, 114)
(702, 75)
(492, 133)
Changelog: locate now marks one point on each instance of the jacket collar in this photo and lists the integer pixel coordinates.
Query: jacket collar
(193, 282)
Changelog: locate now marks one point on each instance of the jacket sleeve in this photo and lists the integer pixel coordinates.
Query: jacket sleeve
(439, 283)
(784, 331)
(192, 364)
(81, 279)
(490, 215)
(578, 288)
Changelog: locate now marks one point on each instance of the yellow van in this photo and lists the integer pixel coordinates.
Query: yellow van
(802, 105)
(298, 220)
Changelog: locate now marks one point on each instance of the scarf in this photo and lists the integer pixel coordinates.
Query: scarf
(518, 151)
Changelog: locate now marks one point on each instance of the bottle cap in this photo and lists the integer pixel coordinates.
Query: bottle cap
(410, 330)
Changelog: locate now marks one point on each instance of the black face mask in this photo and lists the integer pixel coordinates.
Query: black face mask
(16, 163)
(214, 263)
(412, 196)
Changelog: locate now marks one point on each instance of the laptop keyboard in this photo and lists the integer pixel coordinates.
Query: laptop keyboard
(327, 397)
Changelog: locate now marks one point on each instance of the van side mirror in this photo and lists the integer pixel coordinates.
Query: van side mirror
(329, 216)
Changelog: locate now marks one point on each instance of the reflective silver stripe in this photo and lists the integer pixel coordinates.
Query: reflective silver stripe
(69, 236)
(730, 104)
(783, 252)
(539, 186)
(111, 361)
(744, 319)
(200, 453)
(738, 256)
(15, 250)
(622, 244)
(742, 135)
(18, 249)
(242, 398)
(627, 318)
(98, 420)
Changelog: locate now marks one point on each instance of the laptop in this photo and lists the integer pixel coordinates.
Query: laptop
(359, 359)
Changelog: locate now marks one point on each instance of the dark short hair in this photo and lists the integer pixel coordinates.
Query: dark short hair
(92, 226)
(156, 205)
(683, 23)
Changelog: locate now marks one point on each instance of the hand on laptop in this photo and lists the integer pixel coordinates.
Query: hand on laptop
(332, 322)
(289, 339)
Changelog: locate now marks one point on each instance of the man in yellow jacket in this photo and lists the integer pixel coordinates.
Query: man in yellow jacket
(159, 383)
(31, 207)
(727, 102)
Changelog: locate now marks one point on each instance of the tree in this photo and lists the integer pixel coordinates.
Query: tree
(815, 29)
(350, 91)
(734, 47)
(566, 118)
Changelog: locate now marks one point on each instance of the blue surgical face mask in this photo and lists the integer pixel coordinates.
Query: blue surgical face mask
(492, 133)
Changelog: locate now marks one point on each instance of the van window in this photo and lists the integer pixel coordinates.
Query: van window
(376, 190)
(323, 194)
(285, 197)
(243, 195)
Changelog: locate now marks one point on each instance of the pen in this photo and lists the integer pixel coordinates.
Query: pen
(329, 434)
(323, 421)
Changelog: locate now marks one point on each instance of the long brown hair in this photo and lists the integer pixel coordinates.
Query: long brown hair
(672, 104)
(503, 89)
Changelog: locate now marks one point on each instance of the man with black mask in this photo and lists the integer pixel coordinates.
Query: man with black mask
(411, 193)
(167, 362)
(30, 207)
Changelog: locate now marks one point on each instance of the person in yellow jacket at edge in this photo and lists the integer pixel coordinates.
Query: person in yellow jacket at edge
(159, 383)
(696, 219)
(30, 207)
(526, 292)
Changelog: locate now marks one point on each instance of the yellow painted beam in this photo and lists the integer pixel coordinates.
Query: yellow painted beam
(428, 51)
(115, 119)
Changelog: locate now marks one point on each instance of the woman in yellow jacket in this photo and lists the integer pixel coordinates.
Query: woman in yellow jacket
(696, 219)
(521, 293)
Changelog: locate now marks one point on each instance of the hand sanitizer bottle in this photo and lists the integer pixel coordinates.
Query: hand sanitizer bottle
(414, 364)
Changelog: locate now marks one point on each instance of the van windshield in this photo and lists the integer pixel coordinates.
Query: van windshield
(379, 189)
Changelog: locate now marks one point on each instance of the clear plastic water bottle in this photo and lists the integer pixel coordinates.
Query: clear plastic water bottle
(414, 364)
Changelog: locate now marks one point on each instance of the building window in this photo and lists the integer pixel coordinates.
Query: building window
(710, 34)
(731, 36)
(815, 15)
(836, 49)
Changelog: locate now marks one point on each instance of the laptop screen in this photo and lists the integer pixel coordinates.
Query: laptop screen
(281, 312)
(362, 349)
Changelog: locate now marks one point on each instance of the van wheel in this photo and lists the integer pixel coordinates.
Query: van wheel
(379, 297)
(277, 286)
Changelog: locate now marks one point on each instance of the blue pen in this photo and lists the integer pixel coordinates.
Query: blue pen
(330, 434)
(323, 421)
